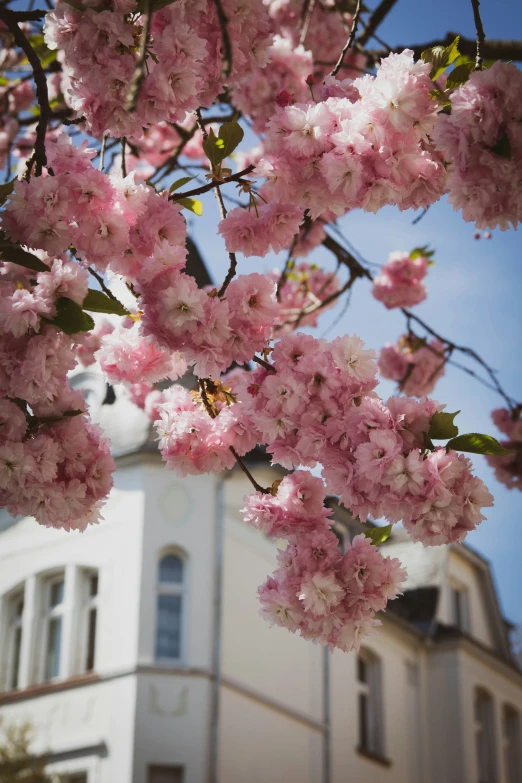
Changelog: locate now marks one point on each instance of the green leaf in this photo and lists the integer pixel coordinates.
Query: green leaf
(427, 443)
(10, 251)
(421, 252)
(442, 426)
(217, 148)
(193, 204)
(6, 190)
(475, 443)
(70, 317)
(179, 183)
(440, 57)
(459, 75)
(503, 147)
(378, 535)
(98, 302)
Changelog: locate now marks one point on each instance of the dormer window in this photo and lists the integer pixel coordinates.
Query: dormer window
(460, 613)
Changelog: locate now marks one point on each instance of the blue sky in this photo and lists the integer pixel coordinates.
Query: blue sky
(474, 290)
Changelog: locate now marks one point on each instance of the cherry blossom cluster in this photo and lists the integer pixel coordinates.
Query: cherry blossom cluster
(111, 222)
(508, 467)
(323, 594)
(325, 37)
(399, 283)
(302, 293)
(481, 138)
(55, 463)
(366, 149)
(415, 364)
(184, 61)
(254, 232)
(210, 332)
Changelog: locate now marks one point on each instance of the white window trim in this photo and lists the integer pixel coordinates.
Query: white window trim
(374, 702)
(13, 624)
(489, 741)
(166, 588)
(89, 602)
(49, 613)
(511, 745)
(465, 606)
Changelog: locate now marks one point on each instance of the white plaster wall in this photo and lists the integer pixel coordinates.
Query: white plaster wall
(461, 572)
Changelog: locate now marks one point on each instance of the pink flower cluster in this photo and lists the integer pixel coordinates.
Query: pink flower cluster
(481, 137)
(184, 60)
(305, 288)
(54, 467)
(399, 283)
(327, 596)
(193, 442)
(367, 150)
(127, 356)
(208, 331)
(415, 364)
(111, 222)
(508, 467)
(270, 226)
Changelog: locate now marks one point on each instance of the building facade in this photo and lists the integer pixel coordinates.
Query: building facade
(137, 652)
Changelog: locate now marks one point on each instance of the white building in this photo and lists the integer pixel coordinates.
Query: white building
(137, 652)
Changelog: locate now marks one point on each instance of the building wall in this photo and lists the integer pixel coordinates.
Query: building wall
(460, 572)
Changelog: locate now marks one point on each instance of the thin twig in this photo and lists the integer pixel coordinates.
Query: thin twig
(232, 256)
(138, 76)
(262, 363)
(492, 49)
(215, 183)
(349, 41)
(102, 153)
(102, 285)
(39, 157)
(306, 18)
(123, 153)
(225, 37)
(481, 37)
(211, 412)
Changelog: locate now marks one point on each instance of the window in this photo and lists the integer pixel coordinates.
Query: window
(369, 698)
(15, 610)
(165, 775)
(511, 742)
(460, 608)
(77, 777)
(52, 635)
(485, 737)
(170, 608)
(90, 620)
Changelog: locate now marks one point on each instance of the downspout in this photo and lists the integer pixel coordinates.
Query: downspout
(327, 731)
(215, 695)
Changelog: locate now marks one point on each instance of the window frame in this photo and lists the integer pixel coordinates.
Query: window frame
(171, 589)
(49, 614)
(485, 737)
(371, 738)
(14, 626)
(511, 745)
(165, 769)
(89, 603)
(460, 607)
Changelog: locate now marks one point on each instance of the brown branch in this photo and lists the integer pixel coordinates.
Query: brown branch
(138, 77)
(102, 285)
(349, 41)
(28, 16)
(481, 36)
(375, 20)
(262, 363)
(346, 258)
(306, 17)
(215, 183)
(227, 47)
(38, 158)
(492, 49)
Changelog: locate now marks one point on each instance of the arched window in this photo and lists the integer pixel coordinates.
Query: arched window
(169, 621)
(511, 742)
(485, 737)
(369, 696)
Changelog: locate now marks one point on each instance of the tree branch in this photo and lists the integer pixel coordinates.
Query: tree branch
(375, 20)
(227, 47)
(138, 76)
(491, 49)
(349, 41)
(215, 183)
(481, 36)
(38, 158)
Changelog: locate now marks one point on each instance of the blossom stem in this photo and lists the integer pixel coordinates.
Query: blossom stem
(138, 76)
(227, 47)
(211, 185)
(262, 363)
(306, 18)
